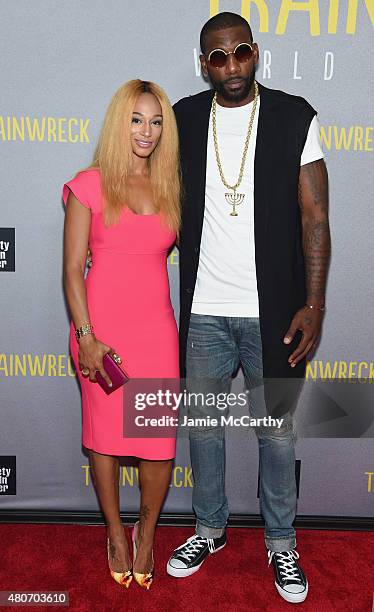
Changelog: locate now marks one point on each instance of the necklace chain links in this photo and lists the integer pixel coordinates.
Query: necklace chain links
(233, 199)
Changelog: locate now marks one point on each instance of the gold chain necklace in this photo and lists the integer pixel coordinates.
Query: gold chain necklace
(234, 199)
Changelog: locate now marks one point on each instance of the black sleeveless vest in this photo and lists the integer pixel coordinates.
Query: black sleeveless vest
(283, 125)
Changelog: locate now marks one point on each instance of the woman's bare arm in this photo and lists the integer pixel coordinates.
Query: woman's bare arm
(76, 234)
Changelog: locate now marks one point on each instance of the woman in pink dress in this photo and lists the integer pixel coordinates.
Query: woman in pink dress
(126, 208)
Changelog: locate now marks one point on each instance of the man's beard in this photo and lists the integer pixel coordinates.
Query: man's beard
(235, 95)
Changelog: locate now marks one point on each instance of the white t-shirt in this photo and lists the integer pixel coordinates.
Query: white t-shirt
(226, 278)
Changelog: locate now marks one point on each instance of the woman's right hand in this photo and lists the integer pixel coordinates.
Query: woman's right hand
(90, 356)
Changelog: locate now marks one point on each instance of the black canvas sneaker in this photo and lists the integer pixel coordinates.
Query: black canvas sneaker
(188, 558)
(290, 579)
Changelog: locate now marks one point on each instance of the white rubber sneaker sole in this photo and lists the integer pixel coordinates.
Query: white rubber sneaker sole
(292, 597)
(180, 572)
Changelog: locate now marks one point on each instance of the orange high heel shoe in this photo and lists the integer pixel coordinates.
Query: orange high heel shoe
(123, 578)
(144, 580)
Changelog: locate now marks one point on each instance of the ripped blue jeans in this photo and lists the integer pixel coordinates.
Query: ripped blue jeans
(216, 347)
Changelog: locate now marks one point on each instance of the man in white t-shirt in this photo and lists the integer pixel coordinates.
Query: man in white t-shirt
(254, 250)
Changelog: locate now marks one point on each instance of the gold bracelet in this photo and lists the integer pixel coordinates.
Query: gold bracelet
(85, 329)
(321, 308)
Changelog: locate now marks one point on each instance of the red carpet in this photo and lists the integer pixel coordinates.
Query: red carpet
(339, 566)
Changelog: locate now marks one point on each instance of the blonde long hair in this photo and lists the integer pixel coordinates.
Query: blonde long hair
(113, 155)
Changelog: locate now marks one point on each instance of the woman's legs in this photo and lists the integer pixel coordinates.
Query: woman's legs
(154, 478)
(106, 480)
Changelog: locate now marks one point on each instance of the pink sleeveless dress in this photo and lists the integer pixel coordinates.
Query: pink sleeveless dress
(129, 305)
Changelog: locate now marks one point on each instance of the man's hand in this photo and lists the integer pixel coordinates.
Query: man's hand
(308, 321)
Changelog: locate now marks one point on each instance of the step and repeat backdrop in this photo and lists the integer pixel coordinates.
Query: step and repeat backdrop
(61, 62)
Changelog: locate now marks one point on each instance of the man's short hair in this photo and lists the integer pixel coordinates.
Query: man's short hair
(222, 21)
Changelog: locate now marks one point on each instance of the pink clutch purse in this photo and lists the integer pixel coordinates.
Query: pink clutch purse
(116, 374)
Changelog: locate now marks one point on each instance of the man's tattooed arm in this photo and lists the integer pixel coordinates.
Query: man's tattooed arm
(313, 202)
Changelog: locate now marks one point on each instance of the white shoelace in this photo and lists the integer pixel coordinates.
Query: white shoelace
(286, 562)
(193, 546)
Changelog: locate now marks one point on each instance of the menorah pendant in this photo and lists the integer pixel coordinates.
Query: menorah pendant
(234, 199)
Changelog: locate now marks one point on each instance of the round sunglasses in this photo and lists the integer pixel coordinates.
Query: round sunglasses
(218, 57)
